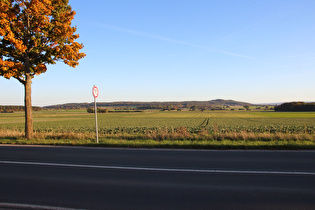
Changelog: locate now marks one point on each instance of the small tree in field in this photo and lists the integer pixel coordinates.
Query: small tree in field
(33, 34)
(247, 107)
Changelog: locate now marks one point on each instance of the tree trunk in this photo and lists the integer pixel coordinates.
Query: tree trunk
(28, 107)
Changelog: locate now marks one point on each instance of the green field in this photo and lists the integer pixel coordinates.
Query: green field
(82, 121)
(234, 126)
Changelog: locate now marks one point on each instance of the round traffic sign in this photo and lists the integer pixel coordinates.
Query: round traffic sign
(95, 91)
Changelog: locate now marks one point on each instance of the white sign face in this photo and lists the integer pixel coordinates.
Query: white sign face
(95, 91)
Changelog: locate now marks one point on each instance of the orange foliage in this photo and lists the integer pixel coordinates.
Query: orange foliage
(34, 33)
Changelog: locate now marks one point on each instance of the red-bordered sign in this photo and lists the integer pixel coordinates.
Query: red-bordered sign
(95, 91)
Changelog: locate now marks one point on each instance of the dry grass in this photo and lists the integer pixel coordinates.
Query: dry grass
(180, 133)
(164, 138)
(11, 134)
(16, 134)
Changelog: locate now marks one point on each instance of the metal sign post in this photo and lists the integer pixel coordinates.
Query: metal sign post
(95, 93)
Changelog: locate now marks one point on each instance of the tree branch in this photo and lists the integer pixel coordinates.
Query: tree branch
(20, 80)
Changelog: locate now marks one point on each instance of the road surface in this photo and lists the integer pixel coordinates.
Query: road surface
(100, 178)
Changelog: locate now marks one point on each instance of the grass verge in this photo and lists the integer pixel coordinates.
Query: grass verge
(243, 140)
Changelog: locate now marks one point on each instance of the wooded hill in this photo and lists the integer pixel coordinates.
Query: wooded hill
(11, 109)
(153, 105)
(296, 107)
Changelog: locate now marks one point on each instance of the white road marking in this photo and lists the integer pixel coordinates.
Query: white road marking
(162, 169)
(29, 206)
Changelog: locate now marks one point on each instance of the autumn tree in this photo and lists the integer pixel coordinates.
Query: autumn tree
(33, 34)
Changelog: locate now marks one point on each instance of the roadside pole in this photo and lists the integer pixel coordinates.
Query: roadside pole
(95, 93)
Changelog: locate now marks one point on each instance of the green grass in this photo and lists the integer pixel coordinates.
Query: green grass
(81, 119)
(225, 129)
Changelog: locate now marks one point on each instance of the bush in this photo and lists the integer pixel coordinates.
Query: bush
(90, 110)
(296, 107)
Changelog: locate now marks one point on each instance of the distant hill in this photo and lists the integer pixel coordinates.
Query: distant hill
(152, 105)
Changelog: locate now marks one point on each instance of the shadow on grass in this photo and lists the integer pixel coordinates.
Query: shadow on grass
(9, 138)
(166, 144)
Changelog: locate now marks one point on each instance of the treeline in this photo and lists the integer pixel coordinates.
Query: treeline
(153, 105)
(295, 107)
(70, 106)
(99, 110)
(12, 109)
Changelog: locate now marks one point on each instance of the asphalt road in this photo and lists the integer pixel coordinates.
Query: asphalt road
(99, 178)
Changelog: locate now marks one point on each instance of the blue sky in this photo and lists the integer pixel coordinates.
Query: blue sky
(257, 51)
